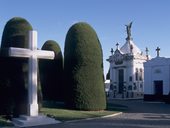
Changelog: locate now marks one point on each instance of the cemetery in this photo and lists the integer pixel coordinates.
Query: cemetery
(84, 64)
(42, 86)
(30, 77)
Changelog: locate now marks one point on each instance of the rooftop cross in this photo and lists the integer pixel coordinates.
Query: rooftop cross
(147, 53)
(158, 51)
(147, 50)
(117, 45)
(33, 55)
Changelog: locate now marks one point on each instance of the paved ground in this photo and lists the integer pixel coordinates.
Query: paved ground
(139, 114)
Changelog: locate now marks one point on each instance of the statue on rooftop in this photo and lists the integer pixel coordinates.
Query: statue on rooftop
(128, 29)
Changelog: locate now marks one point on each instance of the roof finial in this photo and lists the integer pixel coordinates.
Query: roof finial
(112, 51)
(147, 53)
(158, 51)
(117, 45)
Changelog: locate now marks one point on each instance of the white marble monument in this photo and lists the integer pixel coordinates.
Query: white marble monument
(32, 118)
(126, 69)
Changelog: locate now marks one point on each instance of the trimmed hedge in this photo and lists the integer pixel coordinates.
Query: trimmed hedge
(83, 65)
(16, 29)
(51, 73)
(14, 71)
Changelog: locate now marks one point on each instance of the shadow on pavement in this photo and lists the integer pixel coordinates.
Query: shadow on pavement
(140, 106)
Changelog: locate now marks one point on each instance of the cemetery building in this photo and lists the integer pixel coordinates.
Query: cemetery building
(157, 78)
(127, 70)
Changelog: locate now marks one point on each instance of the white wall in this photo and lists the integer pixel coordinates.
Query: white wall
(157, 69)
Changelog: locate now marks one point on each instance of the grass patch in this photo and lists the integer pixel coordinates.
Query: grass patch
(66, 114)
(58, 111)
(5, 123)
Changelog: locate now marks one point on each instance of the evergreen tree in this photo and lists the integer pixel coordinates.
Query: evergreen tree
(51, 73)
(83, 65)
(108, 75)
(14, 71)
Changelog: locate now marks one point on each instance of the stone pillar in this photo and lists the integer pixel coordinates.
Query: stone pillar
(114, 74)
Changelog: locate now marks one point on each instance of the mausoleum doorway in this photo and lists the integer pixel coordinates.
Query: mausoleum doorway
(158, 89)
(121, 80)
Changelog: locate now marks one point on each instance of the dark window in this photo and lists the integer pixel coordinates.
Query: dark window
(136, 74)
(130, 78)
(134, 87)
(130, 87)
(141, 85)
(111, 87)
(121, 80)
(141, 74)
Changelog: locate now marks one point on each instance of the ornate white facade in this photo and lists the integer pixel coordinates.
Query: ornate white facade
(127, 71)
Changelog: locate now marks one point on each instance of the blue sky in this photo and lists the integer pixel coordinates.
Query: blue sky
(53, 18)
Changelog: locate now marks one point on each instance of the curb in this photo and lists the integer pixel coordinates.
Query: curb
(124, 99)
(72, 121)
(107, 116)
(112, 115)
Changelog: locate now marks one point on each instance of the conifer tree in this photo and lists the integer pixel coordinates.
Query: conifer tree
(51, 73)
(14, 71)
(83, 65)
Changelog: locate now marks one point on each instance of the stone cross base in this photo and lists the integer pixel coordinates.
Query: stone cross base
(27, 121)
(33, 109)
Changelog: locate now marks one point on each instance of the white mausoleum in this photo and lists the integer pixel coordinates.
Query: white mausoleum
(157, 78)
(127, 70)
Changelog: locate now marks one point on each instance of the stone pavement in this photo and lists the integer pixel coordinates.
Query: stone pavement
(139, 114)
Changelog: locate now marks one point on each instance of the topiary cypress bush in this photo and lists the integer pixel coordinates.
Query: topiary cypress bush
(14, 71)
(108, 75)
(15, 29)
(83, 68)
(51, 73)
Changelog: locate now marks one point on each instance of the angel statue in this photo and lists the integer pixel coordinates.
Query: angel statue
(128, 29)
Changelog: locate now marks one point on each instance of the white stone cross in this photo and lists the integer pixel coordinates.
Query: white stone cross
(33, 55)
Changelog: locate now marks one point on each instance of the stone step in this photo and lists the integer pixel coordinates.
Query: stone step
(25, 121)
